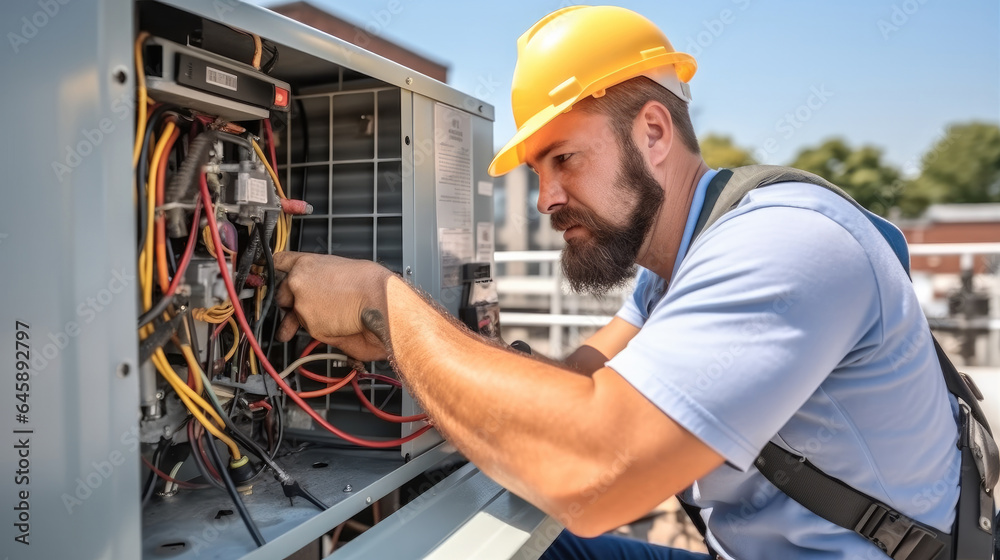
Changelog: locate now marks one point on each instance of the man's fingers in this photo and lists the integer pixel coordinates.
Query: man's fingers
(358, 347)
(285, 260)
(283, 296)
(289, 326)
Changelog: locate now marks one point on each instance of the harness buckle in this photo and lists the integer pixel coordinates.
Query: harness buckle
(897, 535)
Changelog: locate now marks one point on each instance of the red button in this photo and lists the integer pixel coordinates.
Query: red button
(280, 97)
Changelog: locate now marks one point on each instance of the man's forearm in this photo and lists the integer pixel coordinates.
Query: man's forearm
(507, 412)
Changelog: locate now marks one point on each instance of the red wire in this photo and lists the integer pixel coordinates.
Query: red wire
(218, 329)
(383, 379)
(381, 413)
(315, 376)
(245, 325)
(166, 477)
(332, 388)
(269, 135)
(260, 404)
(195, 431)
(188, 251)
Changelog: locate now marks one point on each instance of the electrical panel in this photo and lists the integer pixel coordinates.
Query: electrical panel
(167, 151)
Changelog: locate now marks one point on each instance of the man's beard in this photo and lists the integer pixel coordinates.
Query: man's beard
(607, 259)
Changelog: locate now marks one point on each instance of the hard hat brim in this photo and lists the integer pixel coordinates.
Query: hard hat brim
(512, 154)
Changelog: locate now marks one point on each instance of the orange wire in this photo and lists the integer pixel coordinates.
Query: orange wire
(161, 226)
(331, 389)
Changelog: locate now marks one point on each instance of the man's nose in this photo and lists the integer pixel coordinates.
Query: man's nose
(551, 195)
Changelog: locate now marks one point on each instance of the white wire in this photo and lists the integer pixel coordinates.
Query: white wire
(167, 488)
(314, 358)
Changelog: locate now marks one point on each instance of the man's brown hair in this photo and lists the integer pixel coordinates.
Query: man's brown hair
(623, 101)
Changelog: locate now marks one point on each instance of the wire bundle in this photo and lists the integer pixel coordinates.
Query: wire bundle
(165, 137)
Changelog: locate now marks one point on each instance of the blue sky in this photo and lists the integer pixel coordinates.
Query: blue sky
(891, 73)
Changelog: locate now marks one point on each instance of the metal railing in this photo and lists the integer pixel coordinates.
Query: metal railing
(549, 283)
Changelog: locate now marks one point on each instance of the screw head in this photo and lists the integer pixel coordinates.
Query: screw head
(348, 488)
(409, 271)
(159, 395)
(368, 500)
(409, 81)
(985, 523)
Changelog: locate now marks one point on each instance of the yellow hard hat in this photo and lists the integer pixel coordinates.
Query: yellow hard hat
(580, 51)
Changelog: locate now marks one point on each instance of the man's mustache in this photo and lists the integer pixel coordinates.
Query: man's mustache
(567, 217)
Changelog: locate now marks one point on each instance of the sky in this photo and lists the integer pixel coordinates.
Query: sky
(775, 75)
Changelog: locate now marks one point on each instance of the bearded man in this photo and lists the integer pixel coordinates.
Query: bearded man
(787, 320)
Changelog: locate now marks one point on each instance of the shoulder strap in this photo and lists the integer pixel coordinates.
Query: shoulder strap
(894, 533)
(731, 185)
(898, 536)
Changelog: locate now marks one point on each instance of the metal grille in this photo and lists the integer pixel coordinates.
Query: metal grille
(342, 154)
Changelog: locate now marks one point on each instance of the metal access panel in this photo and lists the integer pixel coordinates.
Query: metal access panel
(392, 162)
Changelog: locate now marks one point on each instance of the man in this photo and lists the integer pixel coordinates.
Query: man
(788, 320)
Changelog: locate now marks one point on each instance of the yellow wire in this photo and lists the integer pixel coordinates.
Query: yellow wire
(147, 295)
(258, 51)
(253, 364)
(236, 339)
(189, 356)
(187, 395)
(182, 388)
(215, 315)
(140, 78)
(206, 237)
(284, 222)
(146, 252)
(274, 176)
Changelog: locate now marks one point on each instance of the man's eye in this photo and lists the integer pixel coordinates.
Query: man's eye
(561, 158)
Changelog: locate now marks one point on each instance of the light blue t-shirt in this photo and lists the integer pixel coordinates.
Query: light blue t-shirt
(791, 315)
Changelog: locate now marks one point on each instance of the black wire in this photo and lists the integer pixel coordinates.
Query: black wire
(151, 481)
(209, 350)
(234, 494)
(143, 168)
(200, 463)
(279, 426)
(192, 336)
(155, 311)
(274, 58)
(252, 446)
(269, 297)
(171, 257)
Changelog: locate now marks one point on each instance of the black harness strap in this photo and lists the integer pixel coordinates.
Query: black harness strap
(894, 533)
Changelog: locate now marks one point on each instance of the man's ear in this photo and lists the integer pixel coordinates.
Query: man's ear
(653, 132)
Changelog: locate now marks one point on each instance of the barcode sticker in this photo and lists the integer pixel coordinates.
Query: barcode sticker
(220, 78)
(257, 190)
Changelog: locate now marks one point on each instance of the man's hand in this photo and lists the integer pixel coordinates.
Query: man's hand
(338, 301)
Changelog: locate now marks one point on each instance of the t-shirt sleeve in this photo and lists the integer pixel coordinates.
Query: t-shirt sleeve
(634, 309)
(767, 304)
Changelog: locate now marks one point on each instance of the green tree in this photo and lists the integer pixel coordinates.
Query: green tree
(861, 172)
(720, 151)
(964, 166)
